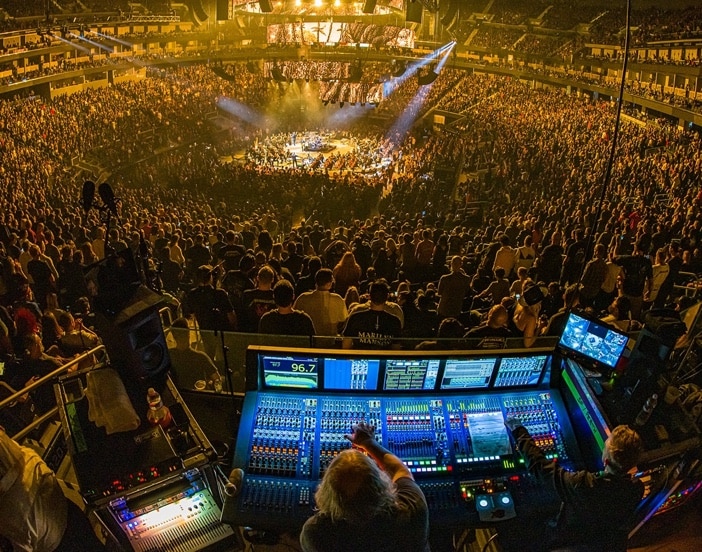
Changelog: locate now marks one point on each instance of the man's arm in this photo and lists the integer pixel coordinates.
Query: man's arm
(363, 437)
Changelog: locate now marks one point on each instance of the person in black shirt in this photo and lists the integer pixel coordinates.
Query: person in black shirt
(674, 265)
(494, 326)
(557, 322)
(596, 508)
(197, 255)
(211, 308)
(231, 252)
(258, 301)
(374, 328)
(638, 278)
(550, 263)
(368, 503)
(284, 320)
(43, 275)
(575, 258)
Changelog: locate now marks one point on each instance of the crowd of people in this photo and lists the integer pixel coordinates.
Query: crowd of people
(388, 259)
(401, 241)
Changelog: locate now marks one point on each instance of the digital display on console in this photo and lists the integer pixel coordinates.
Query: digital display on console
(296, 372)
(351, 373)
(595, 341)
(410, 374)
(468, 373)
(520, 371)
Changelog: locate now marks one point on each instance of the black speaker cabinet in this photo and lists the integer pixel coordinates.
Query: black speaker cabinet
(369, 6)
(414, 12)
(134, 338)
(222, 10)
(266, 6)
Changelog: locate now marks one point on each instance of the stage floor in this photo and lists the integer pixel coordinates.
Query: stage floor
(303, 158)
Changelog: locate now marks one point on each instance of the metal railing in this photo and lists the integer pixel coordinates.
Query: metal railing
(51, 377)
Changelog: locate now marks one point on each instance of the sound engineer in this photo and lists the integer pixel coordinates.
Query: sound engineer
(370, 504)
(35, 515)
(596, 508)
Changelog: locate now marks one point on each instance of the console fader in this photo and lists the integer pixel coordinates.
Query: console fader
(456, 446)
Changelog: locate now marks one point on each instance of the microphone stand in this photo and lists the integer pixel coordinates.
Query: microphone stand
(227, 369)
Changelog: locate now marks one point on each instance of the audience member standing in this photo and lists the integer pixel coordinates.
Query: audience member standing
(284, 319)
(373, 328)
(326, 309)
(210, 307)
(453, 288)
(637, 278)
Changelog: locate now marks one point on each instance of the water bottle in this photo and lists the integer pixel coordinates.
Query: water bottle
(158, 413)
(646, 410)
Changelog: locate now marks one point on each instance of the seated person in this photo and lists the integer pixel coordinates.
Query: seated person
(596, 508)
(495, 324)
(76, 339)
(498, 288)
(448, 337)
(620, 315)
(190, 365)
(557, 322)
(367, 502)
(34, 513)
(34, 364)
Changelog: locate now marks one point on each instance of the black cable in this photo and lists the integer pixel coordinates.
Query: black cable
(487, 544)
(615, 139)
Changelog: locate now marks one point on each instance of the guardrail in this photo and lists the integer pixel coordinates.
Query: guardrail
(45, 379)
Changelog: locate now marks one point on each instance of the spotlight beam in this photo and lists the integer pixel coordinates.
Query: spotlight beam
(406, 120)
(243, 112)
(96, 44)
(413, 67)
(72, 44)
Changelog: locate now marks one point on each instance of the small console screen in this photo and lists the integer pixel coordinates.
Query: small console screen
(595, 341)
(297, 372)
(518, 371)
(351, 373)
(471, 373)
(410, 374)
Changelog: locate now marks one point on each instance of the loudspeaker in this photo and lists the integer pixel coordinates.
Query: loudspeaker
(134, 338)
(222, 10)
(266, 6)
(222, 73)
(414, 12)
(450, 15)
(369, 6)
(199, 12)
(426, 78)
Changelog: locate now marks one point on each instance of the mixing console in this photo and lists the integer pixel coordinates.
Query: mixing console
(457, 447)
(182, 517)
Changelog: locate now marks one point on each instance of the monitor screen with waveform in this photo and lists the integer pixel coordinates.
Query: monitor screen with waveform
(292, 372)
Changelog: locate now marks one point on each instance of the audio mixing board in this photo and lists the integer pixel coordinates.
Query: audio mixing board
(457, 447)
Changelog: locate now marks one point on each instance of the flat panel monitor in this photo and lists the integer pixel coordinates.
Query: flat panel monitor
(410, 374)
(593, 340)
(467, 373)
(290, 371)
(351, 373)
(519, 371)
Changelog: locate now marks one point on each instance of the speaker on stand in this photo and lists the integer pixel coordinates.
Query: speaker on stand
(369, 6)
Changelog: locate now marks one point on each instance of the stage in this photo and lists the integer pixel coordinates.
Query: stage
(333, 153)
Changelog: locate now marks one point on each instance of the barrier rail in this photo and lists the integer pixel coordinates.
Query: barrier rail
(13, 398)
